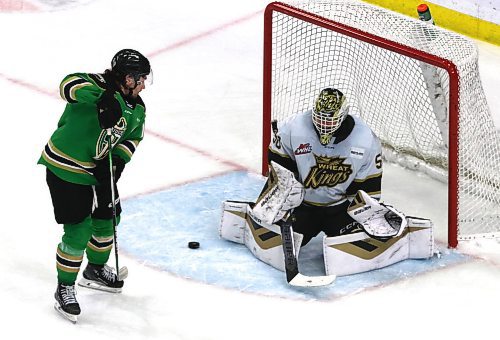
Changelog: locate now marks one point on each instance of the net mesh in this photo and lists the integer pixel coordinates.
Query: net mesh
(404, 100)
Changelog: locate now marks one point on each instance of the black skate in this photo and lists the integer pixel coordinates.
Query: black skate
(66, 303)
(102, 277)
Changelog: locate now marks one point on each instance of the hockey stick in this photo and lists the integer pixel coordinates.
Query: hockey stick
(293, 276)
(113, 205)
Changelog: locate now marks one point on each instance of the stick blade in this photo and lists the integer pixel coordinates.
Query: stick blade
(123, 273)
(311, 281)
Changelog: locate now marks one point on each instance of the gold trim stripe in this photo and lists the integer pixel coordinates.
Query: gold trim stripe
(354, 249)
(272, 242)
(58, 152)
(102, 239)
(271, 183)
(358, 202)
(327, 204)
(68, 257)
(67, 269)
(241, 214)
(279, 154)
(64, 84)
(65, 166)
(129, 152)
(62, 165)
(125, 149)
(73, 89)
(361, 180)
(98, 249)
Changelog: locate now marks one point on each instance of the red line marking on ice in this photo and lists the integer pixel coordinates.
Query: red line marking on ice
(204, 153)
(30, 86)
(17, 6)
(177, 184)
(201, 152)
(201, 35)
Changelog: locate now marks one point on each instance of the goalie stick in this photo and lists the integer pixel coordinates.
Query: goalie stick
(293, 276)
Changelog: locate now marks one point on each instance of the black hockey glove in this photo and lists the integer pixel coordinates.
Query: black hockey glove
(109, 110)
(101, 170)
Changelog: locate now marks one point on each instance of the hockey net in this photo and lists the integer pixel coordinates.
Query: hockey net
(416, 85)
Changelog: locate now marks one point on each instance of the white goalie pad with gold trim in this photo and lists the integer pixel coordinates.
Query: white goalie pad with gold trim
(358, 252)
(264, 240)
(232, 225)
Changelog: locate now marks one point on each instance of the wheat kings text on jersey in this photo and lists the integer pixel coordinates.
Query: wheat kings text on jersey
(331, 173)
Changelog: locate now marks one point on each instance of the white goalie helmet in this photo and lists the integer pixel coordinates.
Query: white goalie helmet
(330, 109)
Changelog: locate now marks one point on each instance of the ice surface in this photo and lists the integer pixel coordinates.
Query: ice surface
(203, 124)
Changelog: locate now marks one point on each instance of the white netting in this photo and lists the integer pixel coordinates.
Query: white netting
(404, 100)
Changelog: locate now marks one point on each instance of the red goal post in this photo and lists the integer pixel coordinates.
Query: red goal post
(298, 25)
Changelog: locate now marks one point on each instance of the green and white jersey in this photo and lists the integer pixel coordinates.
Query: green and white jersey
(330, 173)
(79, 140)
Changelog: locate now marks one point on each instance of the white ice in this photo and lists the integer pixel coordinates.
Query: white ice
(204, 118)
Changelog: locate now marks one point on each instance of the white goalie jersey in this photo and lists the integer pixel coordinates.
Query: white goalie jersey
(330, 173)
(347, 168)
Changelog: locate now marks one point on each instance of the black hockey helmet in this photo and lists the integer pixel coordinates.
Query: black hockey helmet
(129, 62)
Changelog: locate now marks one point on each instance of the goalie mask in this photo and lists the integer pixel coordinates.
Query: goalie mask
(330, 110)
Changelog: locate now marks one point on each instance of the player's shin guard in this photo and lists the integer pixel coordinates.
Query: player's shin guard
(101, 242)
(70, 250)
(68, 262)
(357, 252)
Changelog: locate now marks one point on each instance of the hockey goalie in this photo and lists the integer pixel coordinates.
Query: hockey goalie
(326, 176)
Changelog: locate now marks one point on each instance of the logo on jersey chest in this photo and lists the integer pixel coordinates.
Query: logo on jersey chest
(303, 149)
(328, 172)
(117, 131)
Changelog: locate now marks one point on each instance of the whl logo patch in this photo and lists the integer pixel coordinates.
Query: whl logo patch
(303, 149)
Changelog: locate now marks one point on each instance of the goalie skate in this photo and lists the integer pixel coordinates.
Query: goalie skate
(103, 278)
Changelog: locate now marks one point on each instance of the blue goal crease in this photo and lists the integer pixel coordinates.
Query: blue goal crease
(156, 228)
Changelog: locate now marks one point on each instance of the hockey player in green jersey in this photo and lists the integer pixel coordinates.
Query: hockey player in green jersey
(78, 169)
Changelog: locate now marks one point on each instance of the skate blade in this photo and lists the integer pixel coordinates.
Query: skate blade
(97, 286)
(71, 317)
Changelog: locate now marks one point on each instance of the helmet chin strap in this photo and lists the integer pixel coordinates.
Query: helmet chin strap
(136, 82)
(129, 88)
(135, 86)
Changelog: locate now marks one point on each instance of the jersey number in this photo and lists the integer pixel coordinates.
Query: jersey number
(378, 161)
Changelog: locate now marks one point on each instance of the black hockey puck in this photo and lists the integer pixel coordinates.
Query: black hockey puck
(194, 245)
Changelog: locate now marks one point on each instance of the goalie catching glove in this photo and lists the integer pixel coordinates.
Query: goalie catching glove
(281, 193)
(378, 220)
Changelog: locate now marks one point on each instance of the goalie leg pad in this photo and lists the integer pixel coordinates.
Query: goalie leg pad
(233, 221)
(266, 244)
(358, 252)
(421, 238)
(263, 240)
